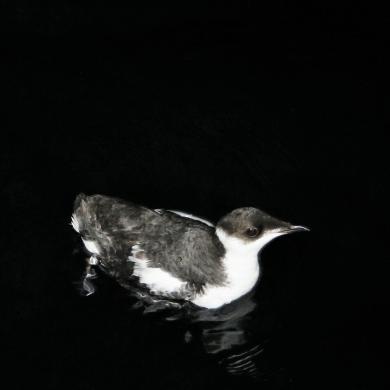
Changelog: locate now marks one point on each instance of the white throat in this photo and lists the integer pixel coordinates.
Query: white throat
(241, 266)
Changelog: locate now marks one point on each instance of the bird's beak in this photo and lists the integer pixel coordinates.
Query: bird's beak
(299, 228)
(293, 228)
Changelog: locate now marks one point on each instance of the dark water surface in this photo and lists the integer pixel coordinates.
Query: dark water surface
(205, 111)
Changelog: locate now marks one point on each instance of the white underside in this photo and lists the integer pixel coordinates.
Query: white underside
(242, 274)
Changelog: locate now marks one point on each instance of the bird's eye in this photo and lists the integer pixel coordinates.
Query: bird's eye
(252, 232)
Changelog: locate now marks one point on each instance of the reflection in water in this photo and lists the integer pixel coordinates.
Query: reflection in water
(227, 334)
(239, 336)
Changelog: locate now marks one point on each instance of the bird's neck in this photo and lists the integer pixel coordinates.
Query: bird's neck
(240, 262)
(241, 268)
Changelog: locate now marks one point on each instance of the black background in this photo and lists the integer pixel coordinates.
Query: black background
(205, 109)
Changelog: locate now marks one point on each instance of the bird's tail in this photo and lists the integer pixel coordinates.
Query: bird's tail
(79, 198)
(84, 222)
(79, 211)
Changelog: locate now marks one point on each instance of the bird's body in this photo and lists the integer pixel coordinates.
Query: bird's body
(173, 254)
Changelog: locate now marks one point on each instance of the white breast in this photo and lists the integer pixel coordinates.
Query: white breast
(239, 282)
(242, 271)
(241, 267)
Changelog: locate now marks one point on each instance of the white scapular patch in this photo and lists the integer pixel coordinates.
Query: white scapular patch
(241, 267)
(186, 215)
(157, 280)
(75, 223)
(91, 246)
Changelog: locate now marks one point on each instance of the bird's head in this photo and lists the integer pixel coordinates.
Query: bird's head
(248, 230)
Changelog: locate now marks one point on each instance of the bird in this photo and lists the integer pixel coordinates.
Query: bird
(175, 254)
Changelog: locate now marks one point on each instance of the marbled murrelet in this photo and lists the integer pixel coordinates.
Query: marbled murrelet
(175, 254)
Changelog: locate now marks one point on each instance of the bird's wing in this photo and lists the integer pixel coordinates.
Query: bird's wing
(190, 253)
(122, 231)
